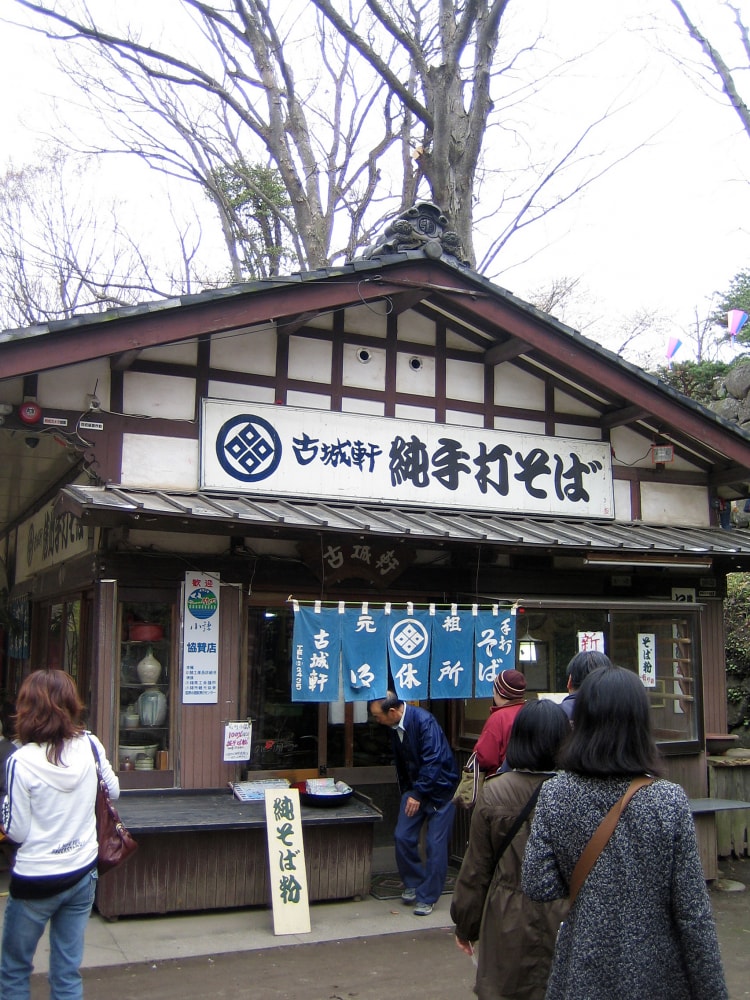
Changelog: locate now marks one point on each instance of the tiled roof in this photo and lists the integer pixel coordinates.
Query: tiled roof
(114, 505)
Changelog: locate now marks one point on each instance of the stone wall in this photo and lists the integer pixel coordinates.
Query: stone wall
(731, 395)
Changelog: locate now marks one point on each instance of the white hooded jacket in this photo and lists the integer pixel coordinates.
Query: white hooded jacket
(49, 809)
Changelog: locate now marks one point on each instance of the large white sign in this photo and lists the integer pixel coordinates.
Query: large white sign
(48, 538)
(251, 448)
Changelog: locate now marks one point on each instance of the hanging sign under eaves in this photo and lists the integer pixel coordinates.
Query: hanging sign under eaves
(253, 448)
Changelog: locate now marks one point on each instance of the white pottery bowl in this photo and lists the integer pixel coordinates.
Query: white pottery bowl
(148, 749)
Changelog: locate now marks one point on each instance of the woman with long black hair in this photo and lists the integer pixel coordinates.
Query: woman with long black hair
(641, 925)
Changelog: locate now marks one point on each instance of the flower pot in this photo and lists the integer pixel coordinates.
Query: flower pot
(146, 632)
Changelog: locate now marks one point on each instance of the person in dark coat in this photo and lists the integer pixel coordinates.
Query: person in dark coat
(577, 671)
(516, 935)
(8, 745)
(641, 925)
(427, 777)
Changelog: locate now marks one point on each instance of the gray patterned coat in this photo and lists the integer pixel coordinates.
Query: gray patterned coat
(641, 927)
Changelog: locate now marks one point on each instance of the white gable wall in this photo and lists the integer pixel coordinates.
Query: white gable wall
(152, 462)
(155, 396)
(245, 393)
(623, 507)
(419, 380)
(310, 360)
(664, 503)
(252, 350)
(464, 380)
(368, 374)
(516, 388)
(71, 391)
(162, 462)
(185, 353)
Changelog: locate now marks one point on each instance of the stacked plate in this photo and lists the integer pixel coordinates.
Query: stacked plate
(144, 763)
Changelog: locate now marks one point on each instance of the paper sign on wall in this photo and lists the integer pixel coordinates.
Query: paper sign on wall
(590, 641)
(684, 594)
(287, 874)
(647, 658)
(237, 740)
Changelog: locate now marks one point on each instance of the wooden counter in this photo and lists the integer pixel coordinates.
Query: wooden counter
(729, 778)
(205, 850)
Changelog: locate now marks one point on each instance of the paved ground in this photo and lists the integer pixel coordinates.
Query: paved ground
(390, 954)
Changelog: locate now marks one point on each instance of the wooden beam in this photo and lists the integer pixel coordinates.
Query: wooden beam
(729, 477)
(407, 300)
(574, 354)
(122, 362)
(500, 353)
(69, 343)
(295, 323)
(624, 415)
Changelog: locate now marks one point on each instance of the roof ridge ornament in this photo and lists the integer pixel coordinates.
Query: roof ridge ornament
(423, 227)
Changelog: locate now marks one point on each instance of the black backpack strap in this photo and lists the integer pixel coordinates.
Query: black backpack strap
(518, 823)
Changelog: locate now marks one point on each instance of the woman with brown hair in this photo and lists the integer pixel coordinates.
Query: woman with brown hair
(48, 812)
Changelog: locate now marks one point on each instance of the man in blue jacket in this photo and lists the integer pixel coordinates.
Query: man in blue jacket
(427, 778)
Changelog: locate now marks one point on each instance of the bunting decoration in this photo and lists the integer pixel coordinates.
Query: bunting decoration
(431, 652)
(672, 348)
(736, 319)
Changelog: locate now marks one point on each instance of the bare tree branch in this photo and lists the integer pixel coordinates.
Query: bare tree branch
(58, 256)
(397, 101)
(716, 60)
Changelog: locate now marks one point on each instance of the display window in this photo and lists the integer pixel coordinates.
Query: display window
(144, 688)
(661, 645)
(301, 735)
(60, 640)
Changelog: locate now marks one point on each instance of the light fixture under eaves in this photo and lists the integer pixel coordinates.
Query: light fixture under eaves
(527, 647)
(647, 562)
(661, 453)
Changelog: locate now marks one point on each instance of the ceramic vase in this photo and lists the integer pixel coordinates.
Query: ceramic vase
(152, 707)
(149, 669)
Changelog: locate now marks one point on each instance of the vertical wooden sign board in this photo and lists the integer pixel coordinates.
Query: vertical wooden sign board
(286, 862)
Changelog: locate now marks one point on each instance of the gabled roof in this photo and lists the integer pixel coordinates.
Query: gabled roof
(381, 278)
(497, 326)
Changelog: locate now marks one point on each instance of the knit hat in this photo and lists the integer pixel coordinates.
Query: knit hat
(510, 684)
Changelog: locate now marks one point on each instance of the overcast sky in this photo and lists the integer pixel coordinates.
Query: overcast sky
(663, 231)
